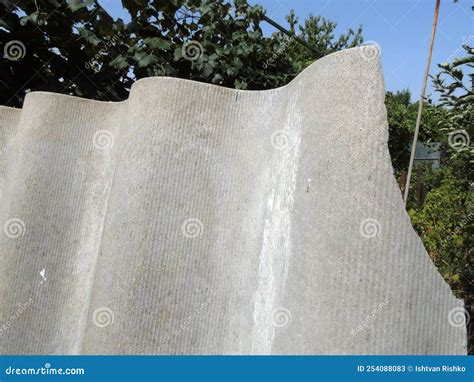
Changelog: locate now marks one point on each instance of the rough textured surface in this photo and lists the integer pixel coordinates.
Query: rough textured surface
(198, 219)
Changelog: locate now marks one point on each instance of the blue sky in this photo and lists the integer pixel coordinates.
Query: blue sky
(401, 28)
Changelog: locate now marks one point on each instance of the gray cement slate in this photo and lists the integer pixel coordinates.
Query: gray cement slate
(195, 219)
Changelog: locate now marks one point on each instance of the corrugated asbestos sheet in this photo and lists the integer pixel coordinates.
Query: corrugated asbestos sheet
(195, 219)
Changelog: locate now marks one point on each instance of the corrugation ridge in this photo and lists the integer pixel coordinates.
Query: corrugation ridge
(114, 155)
(306, 72)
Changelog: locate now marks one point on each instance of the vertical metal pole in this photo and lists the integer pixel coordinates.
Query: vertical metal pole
(422, 101)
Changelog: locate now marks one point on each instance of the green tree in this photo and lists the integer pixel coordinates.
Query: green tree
(75, 47)
(47, 45)
(318, 32)
(401, 115)
(446, 219)
(456, 90)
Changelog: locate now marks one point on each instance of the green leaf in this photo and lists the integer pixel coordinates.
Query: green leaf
(240, 84)
(457, 73)
(204, 8)
(157, 43)
(178, 54)
(231, 71)
(75, 5)
(33, 17)
(217, 79)
(119, 62)
(207, 70)
(89, 36)
(145, 59)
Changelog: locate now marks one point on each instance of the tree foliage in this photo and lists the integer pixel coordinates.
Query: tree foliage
(446, 219)
(401, 115)
(455, 83)
(318, 32)
(75, 47)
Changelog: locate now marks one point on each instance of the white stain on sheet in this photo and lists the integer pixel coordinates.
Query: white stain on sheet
(276, 247)
(43, 275)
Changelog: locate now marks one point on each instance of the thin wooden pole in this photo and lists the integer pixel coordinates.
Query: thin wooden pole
(422, 101)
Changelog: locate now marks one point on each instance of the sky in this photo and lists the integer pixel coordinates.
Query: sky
(400, 27)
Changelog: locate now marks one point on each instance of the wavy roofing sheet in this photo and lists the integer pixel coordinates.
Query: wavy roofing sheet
(195, 219)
